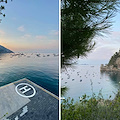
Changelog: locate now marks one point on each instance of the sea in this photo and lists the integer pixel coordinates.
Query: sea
(87, 79)
(40, 68)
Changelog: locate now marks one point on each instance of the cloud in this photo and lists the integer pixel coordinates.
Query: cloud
(103, 53)
(21, 28)
(115, 36)
(105, 46)
(2, 33)
(116, 33)
(40, 37)
(54, 32)
(53, 44)
(26, 36)
(110, 41)
(46, 44)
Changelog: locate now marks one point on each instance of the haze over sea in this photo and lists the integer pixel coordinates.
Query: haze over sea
(41, 68)
(87, 79)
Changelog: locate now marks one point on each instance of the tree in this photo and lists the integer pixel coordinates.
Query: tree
(81, 21)
(2, 8)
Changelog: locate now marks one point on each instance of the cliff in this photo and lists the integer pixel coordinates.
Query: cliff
(114, 63)
(4, 50)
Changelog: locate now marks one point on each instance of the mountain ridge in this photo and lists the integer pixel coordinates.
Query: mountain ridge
(5, 50)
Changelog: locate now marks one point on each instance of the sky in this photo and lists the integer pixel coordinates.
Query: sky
(30, 26)
(106, 45)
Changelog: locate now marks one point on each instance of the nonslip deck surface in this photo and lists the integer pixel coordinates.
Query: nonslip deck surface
(24, 100)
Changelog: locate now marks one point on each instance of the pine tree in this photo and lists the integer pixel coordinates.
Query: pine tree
(81, 21)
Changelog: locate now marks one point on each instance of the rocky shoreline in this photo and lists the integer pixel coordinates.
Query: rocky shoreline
(108, 68)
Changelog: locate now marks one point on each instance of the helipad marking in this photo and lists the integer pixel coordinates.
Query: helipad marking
(25, 89)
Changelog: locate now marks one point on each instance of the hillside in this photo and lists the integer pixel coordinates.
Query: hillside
(114, 63)
(114, 59)
(4, 50)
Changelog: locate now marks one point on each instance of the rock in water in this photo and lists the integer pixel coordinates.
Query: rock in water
(5, 50)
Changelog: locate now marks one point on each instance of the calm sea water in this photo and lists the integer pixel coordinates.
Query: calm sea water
(41, 69)
(87, 79)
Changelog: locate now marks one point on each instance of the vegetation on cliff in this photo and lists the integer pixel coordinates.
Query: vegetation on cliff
(113, 60)
(91, 108)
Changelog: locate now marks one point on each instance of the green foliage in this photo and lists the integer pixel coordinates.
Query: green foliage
(94, 108)
(113, 59)
(81, 21)
(64, 90)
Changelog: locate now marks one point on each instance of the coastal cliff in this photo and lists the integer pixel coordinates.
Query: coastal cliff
(5, 50)
(114, 63)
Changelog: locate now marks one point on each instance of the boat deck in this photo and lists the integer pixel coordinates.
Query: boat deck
(25, 100)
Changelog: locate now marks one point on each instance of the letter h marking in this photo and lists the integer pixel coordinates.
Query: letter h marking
(24, 89)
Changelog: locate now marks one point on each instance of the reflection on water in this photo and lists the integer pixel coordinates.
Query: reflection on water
(113, 76)
(39, 68)
(86, 79)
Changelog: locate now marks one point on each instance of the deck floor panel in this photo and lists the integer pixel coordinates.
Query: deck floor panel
(42, 106)
(10, 101)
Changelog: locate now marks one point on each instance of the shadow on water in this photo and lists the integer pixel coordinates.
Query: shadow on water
(114, 77)
(3, 54)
